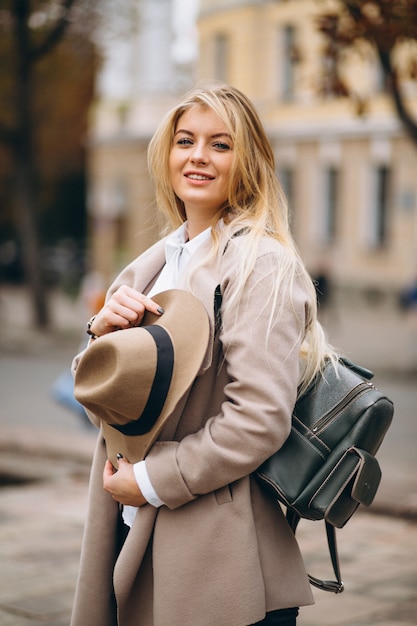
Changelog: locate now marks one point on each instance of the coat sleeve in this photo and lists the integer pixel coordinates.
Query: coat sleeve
(138, 274)
(262, 361)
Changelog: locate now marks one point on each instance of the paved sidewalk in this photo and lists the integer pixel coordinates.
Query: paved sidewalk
(379, 570)
(41, 529)
(42, 516)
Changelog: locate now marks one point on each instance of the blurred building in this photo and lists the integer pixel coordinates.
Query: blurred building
(147, 63)
(350, 179)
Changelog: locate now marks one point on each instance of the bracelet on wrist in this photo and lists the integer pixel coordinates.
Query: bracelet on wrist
(88, 329)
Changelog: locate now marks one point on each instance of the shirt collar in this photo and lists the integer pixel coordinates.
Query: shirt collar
(179, 240)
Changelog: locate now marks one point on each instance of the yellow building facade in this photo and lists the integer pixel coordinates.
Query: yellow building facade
(351, 181)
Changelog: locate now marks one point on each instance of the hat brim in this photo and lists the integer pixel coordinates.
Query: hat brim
(186, 322)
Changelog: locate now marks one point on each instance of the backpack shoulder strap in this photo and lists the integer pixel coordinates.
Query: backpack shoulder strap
(335, 586)
(218, 297)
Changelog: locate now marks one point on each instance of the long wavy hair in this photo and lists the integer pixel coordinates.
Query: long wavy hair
(255, 202)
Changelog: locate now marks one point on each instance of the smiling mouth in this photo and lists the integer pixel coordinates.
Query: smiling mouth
(199, 177)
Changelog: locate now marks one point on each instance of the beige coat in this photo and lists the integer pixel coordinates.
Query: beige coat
(220, 552)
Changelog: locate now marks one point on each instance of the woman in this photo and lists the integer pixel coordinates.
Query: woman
(205, 546)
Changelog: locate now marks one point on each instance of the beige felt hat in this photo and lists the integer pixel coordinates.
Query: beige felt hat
(133, 379)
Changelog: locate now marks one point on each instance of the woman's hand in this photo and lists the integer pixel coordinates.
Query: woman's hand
(121, 484)
(124, 309)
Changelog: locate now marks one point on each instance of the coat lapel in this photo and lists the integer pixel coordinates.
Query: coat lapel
(141, 274)
(143, 271)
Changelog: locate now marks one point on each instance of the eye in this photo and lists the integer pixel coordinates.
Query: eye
(184, 142)
(221, 146)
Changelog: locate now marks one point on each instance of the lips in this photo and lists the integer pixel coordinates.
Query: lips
(194, 176)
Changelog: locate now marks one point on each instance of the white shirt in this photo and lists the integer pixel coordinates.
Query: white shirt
(178, 252)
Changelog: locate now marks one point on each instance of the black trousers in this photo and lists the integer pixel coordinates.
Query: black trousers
(283, 617)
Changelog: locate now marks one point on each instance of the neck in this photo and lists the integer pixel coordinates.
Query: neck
(195, 227)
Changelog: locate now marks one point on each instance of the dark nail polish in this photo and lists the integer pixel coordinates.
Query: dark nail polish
(119, 456)
(160, 310)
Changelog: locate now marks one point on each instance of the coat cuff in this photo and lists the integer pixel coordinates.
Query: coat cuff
(165, 475)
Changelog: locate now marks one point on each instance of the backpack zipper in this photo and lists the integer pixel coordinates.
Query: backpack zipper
(357, 391)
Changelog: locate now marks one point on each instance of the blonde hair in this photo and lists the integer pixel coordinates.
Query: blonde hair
(255, 202)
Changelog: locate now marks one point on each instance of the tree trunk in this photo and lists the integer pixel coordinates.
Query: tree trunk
(405, 116)
(31, 255)
(25, 174)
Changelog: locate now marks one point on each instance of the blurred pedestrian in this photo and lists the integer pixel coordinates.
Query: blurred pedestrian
(322, 284)
(408, 305)
(186, 536)
(408, 297)
(93, 292)
(92, 295)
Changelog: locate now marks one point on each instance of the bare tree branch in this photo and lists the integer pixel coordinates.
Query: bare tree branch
(409, 123)
(385, 25)
(55, 35)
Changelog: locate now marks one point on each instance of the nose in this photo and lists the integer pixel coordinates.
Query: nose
(199, 154)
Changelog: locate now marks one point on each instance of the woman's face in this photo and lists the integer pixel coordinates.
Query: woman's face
(200, 163)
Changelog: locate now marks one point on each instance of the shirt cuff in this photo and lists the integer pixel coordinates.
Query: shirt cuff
(145, 485)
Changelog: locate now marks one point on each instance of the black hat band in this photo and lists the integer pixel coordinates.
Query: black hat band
(160, 386)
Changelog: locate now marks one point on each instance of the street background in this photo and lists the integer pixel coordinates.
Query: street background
(46, 452)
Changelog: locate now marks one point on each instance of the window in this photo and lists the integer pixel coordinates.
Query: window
(288, 62)
(221, 55)
(286, 178)
(380, 217)
(330, 203)
(330, 83)
(380, 80)
(375, 215)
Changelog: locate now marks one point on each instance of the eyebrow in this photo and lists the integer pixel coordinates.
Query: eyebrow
(191, 134)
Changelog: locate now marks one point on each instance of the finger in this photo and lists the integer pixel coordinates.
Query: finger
(123, 311)
(123, 468)
(108, 470)
(110, 318)
(125, 315)
(137, 298)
